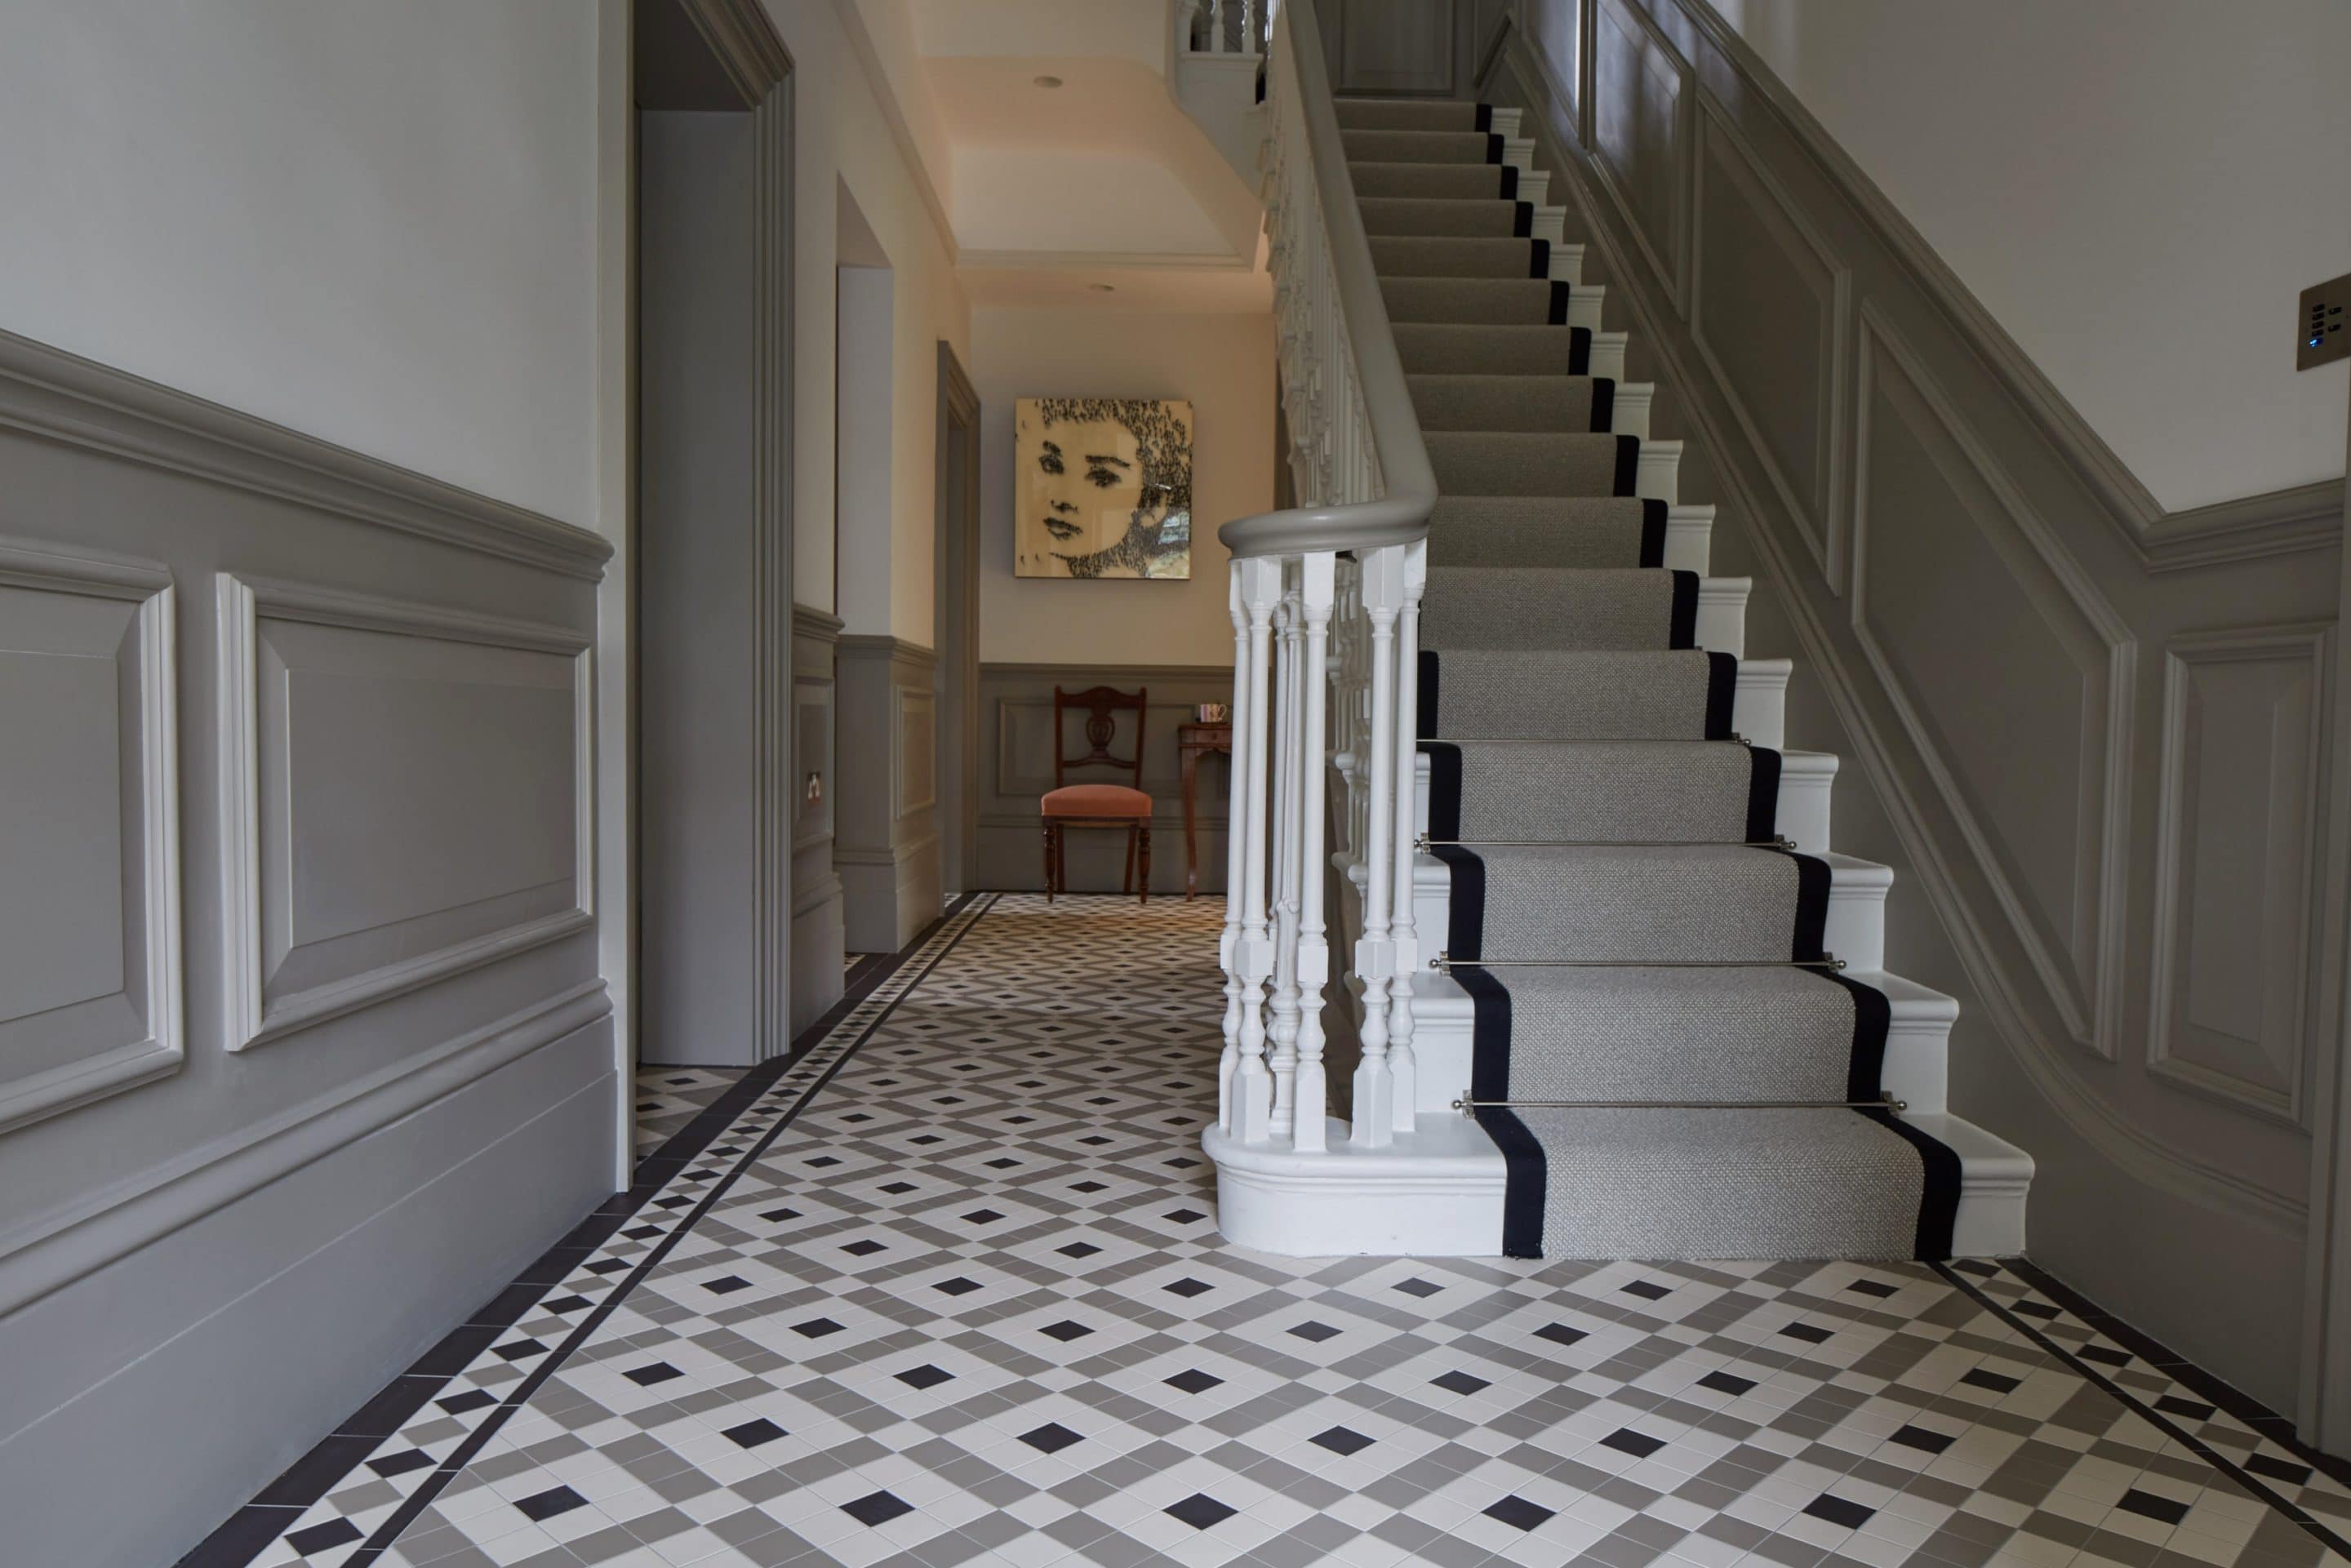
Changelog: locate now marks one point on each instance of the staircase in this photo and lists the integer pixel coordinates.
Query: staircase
(1613, 993)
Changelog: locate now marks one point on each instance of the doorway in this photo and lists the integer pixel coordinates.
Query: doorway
(710, 640)
(956, 623)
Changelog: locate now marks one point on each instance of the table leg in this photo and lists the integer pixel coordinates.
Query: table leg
(1191, 836)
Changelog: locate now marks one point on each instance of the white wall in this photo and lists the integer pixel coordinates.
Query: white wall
(373, 222)
(2136, 190)
(1224, 364)
(843, 140)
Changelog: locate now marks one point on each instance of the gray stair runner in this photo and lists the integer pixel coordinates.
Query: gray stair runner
(1620, 913)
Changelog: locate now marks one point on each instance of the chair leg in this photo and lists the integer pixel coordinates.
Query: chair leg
(1142, 834)
(1126, 883)
(1049, 860)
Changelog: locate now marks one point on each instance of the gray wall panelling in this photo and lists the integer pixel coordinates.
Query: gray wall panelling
(1016, 763)
(316, 1051)
(2092, 737)
(886, 844)
(819, 939)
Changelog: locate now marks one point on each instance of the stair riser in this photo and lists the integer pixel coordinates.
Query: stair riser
(1690, 536)
(1805, 780)
(1758, 701)
(1608, 356)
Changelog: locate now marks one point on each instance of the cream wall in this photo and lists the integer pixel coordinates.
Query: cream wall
(1224, 364)
(375, 224)
(845, 140)
(2136, 190)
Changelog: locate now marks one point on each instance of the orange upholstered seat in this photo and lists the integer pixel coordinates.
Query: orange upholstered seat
(1096, 800)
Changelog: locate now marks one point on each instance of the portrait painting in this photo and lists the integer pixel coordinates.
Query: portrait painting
(1103, 488)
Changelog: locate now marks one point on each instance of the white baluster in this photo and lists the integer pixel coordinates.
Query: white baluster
(1404, 931)
(1374, 1119)
(1316, 583)
(1284, 868)
(1253, 1087)
(1216, 27)
(1236, 838)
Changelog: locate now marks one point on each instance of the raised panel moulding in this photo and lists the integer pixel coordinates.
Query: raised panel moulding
(1640, 131)
(2046, 1060)
(63, 397)
(298, 951)
(2233, 898)
(1798, 432)
(915, 784)
(2076, 950)
(92, 664)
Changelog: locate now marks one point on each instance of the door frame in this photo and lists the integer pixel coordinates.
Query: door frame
(955, 623)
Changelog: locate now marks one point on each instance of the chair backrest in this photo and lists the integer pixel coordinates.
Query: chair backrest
(1102, 706)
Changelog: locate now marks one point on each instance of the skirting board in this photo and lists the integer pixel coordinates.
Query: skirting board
(206, 1362)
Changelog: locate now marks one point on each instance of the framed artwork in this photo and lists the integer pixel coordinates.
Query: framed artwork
(1103, 488)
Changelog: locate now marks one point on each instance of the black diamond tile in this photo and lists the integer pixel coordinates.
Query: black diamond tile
(982, 1217)
(1728, 1383)
(1005, 1164)
(751, 1434)
(864, 1248)
(958, 1286)
(1065, 1330)
(779, 1215)
(1560, 1333)
(472, 1399)
(2147, 1505)
(876, 1508)
(1188, 1288)
(2103, 1355)
(400, 1464)
(925, 1376)
(1193, 1382)
(1837, 1510)
(1185, 1216)
(1811, 1333)
(1314, 1333)
(1877, 1288)
(2277, 1469)
(1912, 1436)
(560, 1304)
(1050, 1439)
(2034, 1309)
(1419, 1288)
(1518, 1513)
(727, 1285)
(816, 1328)
(1994, 1381)
(1625, 1441)
(641, 1232)
(1460, 1382)
(551, 1502)
(1648, 1291)
(1078, 1250)
(1342, 1440)
(897, 1187)
(608, 1265)
(2186, 1409)
(319, 1537)
(651, 1373)
(1200, 1511)
(1088, 1186)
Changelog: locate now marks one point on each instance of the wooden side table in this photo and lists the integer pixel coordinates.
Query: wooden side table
(1193, 741)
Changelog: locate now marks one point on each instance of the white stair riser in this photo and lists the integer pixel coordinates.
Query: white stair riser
(1806, 779)
(1630, 415)
(1567, 265)
(1722, 623)
(1690, 536)
(1502, 121)
(1658, 475)
(1759, 701)
(1583, 306)
(1535, 185)
(1607, 356)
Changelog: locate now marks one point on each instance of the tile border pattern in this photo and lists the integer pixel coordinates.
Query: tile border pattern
(468, 1384)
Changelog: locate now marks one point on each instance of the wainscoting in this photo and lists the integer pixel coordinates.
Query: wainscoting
(886, 843)
(2094, 730)
(819, 936)
(1016, 762)
(302, 1042)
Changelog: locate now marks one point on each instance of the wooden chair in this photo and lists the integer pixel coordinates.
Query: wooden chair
(1068, 805)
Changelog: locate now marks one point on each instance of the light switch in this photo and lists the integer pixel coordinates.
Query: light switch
(2323, 335)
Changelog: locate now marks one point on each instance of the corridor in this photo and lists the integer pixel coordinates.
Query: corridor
(944, 1288)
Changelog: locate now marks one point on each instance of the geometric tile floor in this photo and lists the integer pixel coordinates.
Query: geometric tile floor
(670, 1097)
(948, 1291)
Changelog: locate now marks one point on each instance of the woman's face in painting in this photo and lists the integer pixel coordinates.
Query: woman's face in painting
(1089, 484)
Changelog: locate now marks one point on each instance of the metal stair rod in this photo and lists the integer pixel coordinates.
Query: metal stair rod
(1883, 1102)
(1425, 842)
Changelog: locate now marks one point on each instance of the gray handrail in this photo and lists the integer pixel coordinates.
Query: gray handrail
(1401, 515)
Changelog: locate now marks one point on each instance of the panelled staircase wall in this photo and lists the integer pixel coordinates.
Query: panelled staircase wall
(1613, 992)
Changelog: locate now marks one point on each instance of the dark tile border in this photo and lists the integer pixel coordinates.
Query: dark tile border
(250, 1531)
(2171, 1367)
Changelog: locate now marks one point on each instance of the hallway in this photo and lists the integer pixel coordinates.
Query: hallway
(945, 1287)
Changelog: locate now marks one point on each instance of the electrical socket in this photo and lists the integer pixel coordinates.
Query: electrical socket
(2322, 334)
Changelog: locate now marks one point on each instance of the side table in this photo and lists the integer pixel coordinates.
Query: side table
(1193, 741)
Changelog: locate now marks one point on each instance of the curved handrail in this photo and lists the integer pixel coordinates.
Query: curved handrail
(1401, 515)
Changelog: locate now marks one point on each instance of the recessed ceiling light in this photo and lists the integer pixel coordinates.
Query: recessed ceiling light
(1047, 82)
(1103, 288)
